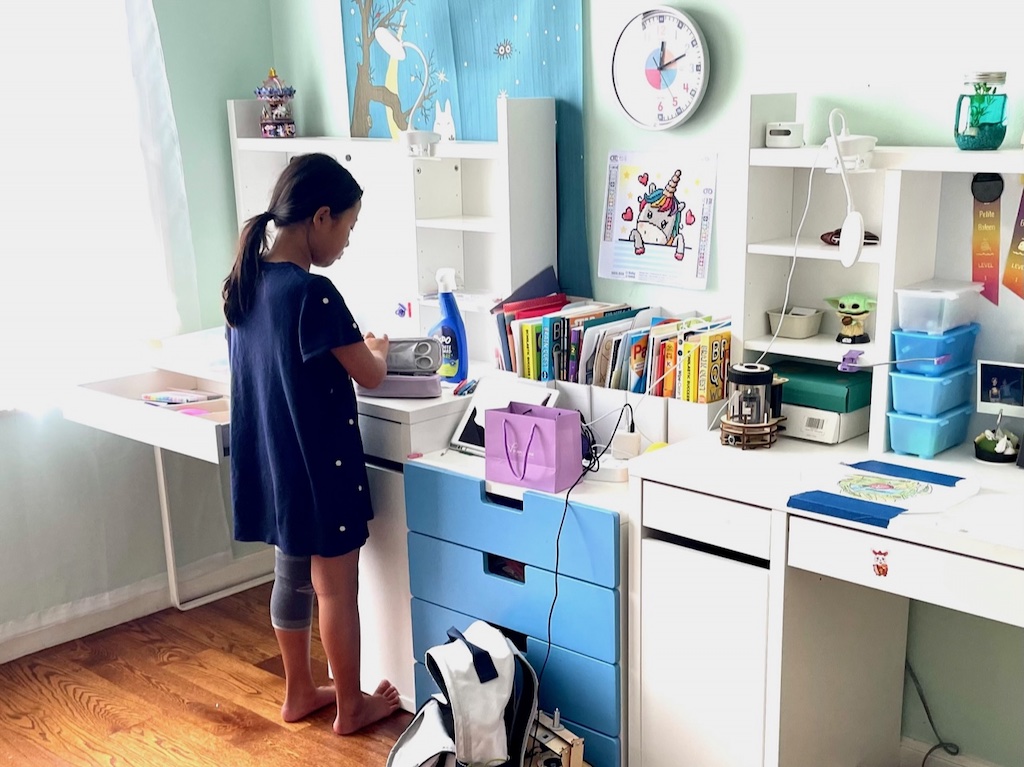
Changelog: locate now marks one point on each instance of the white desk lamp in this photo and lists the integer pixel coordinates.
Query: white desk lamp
(850, 154)
(420, 142)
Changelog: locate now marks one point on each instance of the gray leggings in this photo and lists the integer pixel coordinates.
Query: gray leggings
(291, 600)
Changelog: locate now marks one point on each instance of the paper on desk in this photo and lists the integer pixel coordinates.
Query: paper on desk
(891, 488)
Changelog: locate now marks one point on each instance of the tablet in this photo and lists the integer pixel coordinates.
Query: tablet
(495, 392)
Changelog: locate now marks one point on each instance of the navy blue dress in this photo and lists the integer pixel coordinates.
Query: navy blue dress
(298, 477)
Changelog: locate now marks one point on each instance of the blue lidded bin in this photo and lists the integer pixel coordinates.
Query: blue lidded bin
(927, 437)
(914, 394)
(957, 342)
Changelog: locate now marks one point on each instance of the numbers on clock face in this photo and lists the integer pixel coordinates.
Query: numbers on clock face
(659, 69)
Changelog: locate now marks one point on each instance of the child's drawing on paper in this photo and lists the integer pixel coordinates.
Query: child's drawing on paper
(657, 224)
(660, 218)
(882, 489)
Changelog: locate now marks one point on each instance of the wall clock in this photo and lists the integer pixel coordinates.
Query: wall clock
(660, 68)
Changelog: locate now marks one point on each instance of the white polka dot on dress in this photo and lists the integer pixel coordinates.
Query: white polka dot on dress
(327, 300)
(351, 422)
(337, 463)
(341, 529)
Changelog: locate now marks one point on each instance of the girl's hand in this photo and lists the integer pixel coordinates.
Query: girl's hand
(378, 346)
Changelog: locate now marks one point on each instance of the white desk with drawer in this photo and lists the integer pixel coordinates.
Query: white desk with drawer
(763, 635)
(391, 430)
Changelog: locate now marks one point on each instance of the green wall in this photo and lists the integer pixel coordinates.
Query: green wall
(214, 50)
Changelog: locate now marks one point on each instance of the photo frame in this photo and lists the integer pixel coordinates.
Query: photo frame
(1000, 388)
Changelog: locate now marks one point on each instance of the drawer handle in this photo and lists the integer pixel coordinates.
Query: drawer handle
(500, 500)
(503, 567)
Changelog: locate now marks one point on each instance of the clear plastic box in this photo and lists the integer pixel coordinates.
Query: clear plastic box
(916, 352)
(930, 395)
(927, 437)
(936, 306)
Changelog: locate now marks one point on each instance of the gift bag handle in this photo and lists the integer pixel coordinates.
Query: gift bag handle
(526, 454)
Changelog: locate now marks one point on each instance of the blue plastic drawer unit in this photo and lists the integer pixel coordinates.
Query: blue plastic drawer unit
(930, 395)
(958, 343)
(477, 557)
(927, 437)
(456, 508)
(585, 618)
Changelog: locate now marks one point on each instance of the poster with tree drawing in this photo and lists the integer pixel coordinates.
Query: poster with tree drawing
(473, 53)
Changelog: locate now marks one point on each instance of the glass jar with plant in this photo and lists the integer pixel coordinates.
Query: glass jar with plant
(981, 112)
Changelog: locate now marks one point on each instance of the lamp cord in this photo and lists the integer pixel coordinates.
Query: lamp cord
(949, 747)
(839, 156)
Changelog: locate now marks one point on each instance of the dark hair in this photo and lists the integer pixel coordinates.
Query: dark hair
(309, 182)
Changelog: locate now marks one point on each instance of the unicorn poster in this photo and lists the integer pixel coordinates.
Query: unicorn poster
(657, 219)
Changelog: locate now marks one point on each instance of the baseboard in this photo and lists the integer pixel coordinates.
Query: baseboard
(913, 751)
(72, 620)
(63, 623)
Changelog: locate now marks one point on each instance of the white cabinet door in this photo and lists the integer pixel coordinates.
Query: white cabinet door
(704, 628)
(384, 598)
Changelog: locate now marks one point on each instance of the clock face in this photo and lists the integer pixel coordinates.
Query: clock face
(660, 68)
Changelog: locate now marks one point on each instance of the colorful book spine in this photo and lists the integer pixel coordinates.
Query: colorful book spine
(714, 361)
(672, 363)
(690, 361)
(574, 354)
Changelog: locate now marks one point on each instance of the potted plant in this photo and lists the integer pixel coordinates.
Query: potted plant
(982, 125)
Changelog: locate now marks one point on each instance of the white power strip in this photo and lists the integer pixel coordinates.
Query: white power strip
(611, 470)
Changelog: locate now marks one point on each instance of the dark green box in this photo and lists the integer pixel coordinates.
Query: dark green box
(824, 386)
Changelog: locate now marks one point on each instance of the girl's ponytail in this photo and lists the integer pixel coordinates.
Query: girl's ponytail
(307, 183)
(240, 284)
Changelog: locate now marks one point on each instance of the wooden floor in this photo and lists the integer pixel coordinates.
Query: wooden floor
(201, 688)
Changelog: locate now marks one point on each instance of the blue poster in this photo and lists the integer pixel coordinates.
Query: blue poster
(442, 64)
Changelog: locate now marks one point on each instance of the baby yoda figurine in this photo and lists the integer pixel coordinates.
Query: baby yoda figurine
(852, 309)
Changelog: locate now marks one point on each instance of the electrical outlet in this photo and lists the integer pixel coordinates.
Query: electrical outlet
(625, 445)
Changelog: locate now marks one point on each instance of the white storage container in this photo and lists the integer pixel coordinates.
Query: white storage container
(935, 306)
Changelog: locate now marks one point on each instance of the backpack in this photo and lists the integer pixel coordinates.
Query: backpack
(484, 712)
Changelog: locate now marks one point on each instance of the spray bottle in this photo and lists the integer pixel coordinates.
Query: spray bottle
(450, 331)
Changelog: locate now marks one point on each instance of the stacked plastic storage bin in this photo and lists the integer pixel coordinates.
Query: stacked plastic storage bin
(933, 400)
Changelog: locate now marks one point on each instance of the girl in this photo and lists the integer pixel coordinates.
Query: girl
(298, 478)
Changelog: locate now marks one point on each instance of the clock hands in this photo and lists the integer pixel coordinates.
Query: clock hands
(667, 63)
(661, 60)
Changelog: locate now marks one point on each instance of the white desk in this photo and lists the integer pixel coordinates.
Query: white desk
(391, 429)
(815, 636)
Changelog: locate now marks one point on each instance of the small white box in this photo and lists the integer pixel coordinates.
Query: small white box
(936, 306)
(824, 425)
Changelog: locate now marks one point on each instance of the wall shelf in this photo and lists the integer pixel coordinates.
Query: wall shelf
(808, 248)
(931, 158)
(488, 209)
(900, 201)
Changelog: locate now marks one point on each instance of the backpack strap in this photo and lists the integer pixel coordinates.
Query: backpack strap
(482, 662)
(524, 708)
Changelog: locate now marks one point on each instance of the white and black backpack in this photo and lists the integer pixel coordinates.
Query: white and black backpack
(483, 714)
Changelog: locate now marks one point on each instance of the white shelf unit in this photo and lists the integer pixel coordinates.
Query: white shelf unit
(486, 208)
(899, 200)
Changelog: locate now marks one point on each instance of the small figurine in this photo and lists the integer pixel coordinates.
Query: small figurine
(852, 309)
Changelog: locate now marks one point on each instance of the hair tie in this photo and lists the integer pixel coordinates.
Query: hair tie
(266, 217)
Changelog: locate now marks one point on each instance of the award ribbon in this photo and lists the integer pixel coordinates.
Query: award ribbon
(1013, 275)
(986, 189)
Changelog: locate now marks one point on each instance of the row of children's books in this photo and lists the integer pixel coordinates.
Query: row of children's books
(648, 350)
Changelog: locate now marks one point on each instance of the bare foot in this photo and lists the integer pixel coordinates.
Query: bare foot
(302, 706)
(367, 710)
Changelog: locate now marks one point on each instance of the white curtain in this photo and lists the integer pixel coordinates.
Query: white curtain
(96, 253)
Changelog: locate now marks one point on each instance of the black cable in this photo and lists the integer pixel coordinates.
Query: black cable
(592, 465)
(949, 747)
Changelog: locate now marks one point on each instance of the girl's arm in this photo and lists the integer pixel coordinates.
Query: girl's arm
(365, 362)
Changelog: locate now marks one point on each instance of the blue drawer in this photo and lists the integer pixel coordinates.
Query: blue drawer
(599, 750)
(455, 507)
(585, 617)
(585, 690)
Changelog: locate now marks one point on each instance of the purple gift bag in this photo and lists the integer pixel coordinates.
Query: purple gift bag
(533, 446)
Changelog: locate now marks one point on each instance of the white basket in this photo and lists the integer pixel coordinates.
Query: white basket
(800, 322)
